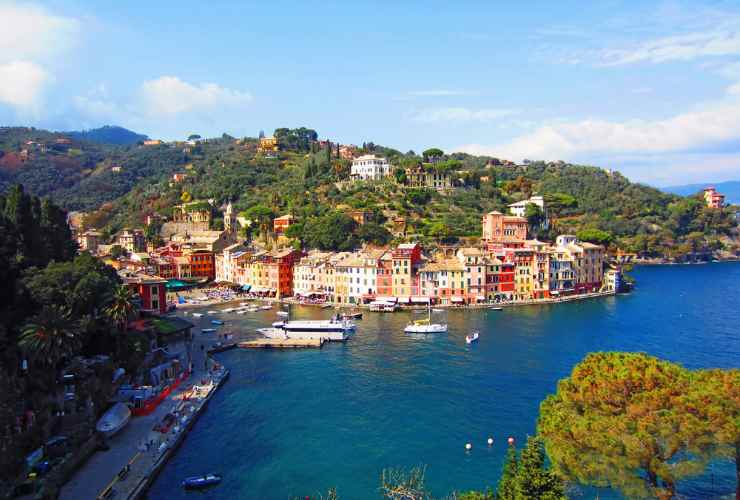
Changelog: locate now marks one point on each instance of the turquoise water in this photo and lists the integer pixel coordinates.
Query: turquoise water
(295, 423)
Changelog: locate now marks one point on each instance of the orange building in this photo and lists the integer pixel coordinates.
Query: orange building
(504, 230)
(279, 267)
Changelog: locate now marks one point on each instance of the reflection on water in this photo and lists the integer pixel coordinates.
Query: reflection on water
(293, 423)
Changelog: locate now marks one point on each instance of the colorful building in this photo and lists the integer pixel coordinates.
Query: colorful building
(501, 230)
(282, 223)
(713, 198)
(151, 290)
(132, 240)
(406, 262)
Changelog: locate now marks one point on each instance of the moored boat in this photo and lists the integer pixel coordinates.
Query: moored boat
(197, 315)
(114, 419)
(196, 482)
(208, 330)
(282, 313)
(425, 325)
(217, 322)
(333, 329)
(496, 308)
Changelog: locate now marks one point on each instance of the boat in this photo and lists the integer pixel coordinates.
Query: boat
(326, 306)
(265, 308)
(272, 333)
(282, 313)
(495, 308)
(352, 315)
(383, 306)
(208, 330)
(196, 482)
(244, 304)
(212, 311)
(197, 315)
(241, 311)
(438, 310)
(333, 329)
(469, 339)
(217, 322)
(230, 309)
(114, 420)
(425, 325)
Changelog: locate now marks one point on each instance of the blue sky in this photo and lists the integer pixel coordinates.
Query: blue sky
(649, 89)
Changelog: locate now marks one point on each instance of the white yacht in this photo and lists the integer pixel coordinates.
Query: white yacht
(425, 325)
(332, 329)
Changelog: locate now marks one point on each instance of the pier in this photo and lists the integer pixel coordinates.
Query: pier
(281, 343)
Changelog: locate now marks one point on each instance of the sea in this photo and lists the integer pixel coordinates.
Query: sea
(295, 423)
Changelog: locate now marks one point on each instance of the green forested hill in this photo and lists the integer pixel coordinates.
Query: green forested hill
(108, 134)
(313, 184)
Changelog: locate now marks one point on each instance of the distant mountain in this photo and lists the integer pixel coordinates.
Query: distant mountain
(731, 189)
(108, 134)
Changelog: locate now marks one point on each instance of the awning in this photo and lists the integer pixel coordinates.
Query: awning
(391, 300)
(405, 300)
(421, 300)
(246, 288)
(457, 299)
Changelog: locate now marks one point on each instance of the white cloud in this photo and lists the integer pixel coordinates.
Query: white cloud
(30, 32)
(707, 127)
(22, 85)
(168, 95)
(459, 114)
(684, 47)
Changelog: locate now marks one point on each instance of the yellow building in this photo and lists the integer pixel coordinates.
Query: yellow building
(268, 144)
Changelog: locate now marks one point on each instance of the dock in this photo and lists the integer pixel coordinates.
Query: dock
(281, 343)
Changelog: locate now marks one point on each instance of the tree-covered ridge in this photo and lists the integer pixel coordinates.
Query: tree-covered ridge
(108, 134)
(310, 181)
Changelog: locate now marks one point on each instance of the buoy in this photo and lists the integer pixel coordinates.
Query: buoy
(511, 441)
(490, 441)
(468, 446)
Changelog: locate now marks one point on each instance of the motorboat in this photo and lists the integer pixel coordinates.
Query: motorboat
(197, 482)
(265, 308)
(352, 315)
(334, 329)
(326, 306)
(283, 313)
(495, 308)
(425, 325)
(217, 322)
(230, 309)
(114, 420)
(469, 339)
(438, 310)
(197, 315)
(208, 330)
(213, 311)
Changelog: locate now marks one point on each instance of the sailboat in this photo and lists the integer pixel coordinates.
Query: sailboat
(425, 325)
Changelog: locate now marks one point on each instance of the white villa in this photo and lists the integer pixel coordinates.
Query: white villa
(370, 167)
(519, 208)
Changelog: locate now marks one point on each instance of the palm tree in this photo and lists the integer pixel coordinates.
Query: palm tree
(119, 310)
(51, 336)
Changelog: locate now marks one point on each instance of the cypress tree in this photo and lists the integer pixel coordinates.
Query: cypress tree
(532, 479)
(506, 489)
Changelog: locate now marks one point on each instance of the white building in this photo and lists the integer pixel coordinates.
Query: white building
(519, 208)
(226, 263)
(370, 167)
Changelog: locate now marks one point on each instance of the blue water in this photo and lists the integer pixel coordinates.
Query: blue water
(295, 423)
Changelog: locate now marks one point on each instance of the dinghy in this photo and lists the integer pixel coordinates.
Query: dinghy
(469, 339)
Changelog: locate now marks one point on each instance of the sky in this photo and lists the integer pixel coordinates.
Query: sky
(651, 89)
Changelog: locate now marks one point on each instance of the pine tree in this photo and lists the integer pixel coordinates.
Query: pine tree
(506, 489)
(532, 479)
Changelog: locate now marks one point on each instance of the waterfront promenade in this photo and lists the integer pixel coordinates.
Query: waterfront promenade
(129, 447)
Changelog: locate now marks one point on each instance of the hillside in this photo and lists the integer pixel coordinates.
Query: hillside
(731, 189)
(108, 134)
(313, 184)
(78, 175)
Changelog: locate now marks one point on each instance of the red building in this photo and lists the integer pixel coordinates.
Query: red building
(151, 290)
(713, 198)
(384, 284)
(281, 224)
(202, 264)
(279, 265)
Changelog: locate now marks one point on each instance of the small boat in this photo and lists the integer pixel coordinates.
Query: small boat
(352, 315)
(241, 311)
(438, 310)
(495, 308)
(425, 325)
(326, 306)
(244, 304)
(230, 309)
(114, 420)
(196, 482)
(265, 308)
(212, 311)
(217, 322)
(197, 315)
(282, 313)
(469, 339)
(208, 330)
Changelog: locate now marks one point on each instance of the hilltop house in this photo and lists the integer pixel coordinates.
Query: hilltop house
(370, 167)
(420, 177)
(713, 198)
